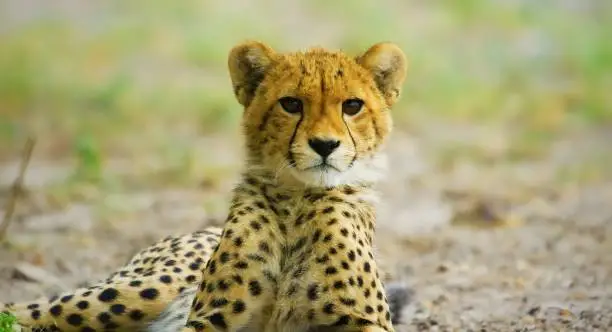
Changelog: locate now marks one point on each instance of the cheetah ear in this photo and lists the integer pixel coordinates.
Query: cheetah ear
(388, 65)
(247, 66)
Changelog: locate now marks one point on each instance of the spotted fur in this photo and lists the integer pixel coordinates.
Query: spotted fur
(296, 252)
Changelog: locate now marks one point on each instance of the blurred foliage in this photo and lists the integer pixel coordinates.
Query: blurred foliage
(98, 78)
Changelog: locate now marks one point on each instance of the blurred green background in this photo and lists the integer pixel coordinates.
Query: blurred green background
(95, 80)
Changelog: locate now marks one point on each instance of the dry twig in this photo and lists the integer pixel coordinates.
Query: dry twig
(17, 187)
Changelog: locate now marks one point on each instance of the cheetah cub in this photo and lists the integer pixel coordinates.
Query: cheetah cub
(296, 251)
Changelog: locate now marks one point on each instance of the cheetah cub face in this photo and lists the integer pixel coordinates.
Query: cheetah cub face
(317, 118)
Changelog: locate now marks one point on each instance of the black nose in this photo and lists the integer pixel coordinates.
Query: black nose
(323, 147)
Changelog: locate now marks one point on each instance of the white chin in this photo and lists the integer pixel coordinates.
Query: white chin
(370, 171)
(328, 177)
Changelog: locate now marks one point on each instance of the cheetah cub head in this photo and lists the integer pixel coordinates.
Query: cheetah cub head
(317, 118)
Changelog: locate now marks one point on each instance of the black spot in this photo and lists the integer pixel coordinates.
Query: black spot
(322, 259)
(316, 236)
(363, 322)
(117, 309)
(345, 265)
(366, 267)
(328, 209)
(254, 288)
(136, 315)
(87, 329)
(195, 266)
(238, 279)
(33, 306)
(299, 220)
(369, 309)
(110, 326)
(257, 258)
(135, 283)
(241, 265)
(198, 305)
(166, 279)
(330, 270)
(149, 293)
(328, 308)
(264, 247)
(66, 298)
(255, 225)
(218, 303)
(238, 307)
(349, 190)
(190, 278)
(196, 325)
(55, 310)
(223, 285)
(343, 320)
(224, 257)
(218, 320)
(238, 241)
(344, 232)
(35, 314)
(212, 266)
(82, 305)
(104, 317)
(347, 301)
(108, 295)
(74, 319)
(338, 284)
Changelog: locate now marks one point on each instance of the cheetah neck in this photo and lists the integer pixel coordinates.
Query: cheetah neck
(290, 203)
(271, 186)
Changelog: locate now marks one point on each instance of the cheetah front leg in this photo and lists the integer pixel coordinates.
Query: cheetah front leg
(242, 273)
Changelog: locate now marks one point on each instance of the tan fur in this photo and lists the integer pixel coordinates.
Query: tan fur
(296, 251)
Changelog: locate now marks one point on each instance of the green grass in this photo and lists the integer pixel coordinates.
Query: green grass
(7, 322)
(133, 78)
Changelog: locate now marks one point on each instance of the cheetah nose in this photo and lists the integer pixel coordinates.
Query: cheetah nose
(324, 147)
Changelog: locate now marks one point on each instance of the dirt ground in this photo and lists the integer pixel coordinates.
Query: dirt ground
(489, 246)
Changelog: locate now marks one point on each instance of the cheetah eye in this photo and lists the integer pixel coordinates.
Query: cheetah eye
(352, 106)
(291, 105)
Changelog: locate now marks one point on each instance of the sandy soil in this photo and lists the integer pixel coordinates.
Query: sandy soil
(483, 247)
